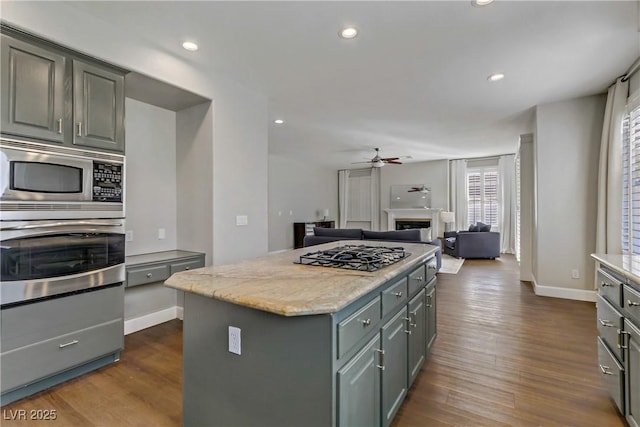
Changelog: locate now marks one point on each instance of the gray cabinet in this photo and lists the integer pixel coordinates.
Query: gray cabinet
(58, 96)
(158, 266)
(618, 317)
(431, 310)
(359, 388)
(48, 342)
(417, 348)
(98, 107)
(632, 368)
(394, 375)
(33, 91)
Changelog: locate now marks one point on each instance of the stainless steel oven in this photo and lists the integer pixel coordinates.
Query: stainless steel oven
(39, 181)
(41, 259)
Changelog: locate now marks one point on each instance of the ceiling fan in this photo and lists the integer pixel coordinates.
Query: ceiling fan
(378, 162)
(422, 189)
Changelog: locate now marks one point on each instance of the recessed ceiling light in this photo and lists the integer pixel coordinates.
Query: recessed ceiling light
(348, 32)
(278, 121)
(190, 46)
(480, 3)
(495, 77)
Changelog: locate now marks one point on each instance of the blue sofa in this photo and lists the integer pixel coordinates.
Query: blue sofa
(472, 244)
(326, 235)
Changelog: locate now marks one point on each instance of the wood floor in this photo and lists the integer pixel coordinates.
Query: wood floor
(502, 357)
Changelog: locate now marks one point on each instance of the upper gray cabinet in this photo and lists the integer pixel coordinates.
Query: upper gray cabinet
(54, 95)
(98, 107)
(33, 91)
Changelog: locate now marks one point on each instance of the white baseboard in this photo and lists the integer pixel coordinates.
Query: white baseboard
(143, 322)
(180, 312)
(565, 293)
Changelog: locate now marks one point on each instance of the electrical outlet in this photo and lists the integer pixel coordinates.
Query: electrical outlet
(128, 236)
(575, 274)
(235, 345)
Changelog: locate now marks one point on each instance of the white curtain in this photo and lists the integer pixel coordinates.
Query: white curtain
(458, 193)
(343, 197)
(375, 199)
(507, 169)
(609, 217)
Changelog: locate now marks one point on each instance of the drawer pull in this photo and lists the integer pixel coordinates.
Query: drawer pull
(605, 284)
(606, 323)
(633, 303)
(418, 278)
(366, 322)
(605, 371)
(187, 268)
(149, 275)
(68, 344)
(381, 365)
(428, 304)
(398, 294)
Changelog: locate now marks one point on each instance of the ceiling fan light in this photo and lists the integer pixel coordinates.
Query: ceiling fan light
(377, 164)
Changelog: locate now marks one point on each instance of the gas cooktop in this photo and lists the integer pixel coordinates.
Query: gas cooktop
(355, 257)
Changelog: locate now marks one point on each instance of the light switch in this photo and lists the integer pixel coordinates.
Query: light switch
(162, 234)
(242, 220)
(129, 235)
(235, 343)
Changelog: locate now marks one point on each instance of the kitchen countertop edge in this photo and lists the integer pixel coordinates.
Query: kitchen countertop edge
(623, 264)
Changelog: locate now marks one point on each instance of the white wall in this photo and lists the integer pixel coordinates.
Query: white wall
(527, 205)
(150, 179)
(567, 150)
(239, 132)
(296, 192)
(434, 174)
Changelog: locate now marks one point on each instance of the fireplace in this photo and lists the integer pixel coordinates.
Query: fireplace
(419, 218)
(409, 223)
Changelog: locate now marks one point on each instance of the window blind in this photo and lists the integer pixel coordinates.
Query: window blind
(482, 197)
(631, 181)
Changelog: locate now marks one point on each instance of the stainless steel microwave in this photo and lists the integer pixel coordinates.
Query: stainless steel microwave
(39, 181)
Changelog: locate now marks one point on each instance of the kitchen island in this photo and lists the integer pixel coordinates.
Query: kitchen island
(270, 342)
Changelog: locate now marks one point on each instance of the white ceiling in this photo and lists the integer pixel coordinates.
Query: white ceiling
(414, 82)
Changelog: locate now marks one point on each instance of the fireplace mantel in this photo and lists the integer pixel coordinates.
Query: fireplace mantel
(418, 213)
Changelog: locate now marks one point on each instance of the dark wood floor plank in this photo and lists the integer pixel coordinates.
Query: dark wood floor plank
(503, 356)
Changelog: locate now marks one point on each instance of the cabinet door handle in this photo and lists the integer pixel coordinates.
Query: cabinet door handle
(149, 275)
(366, 322)
(68, 344)
(60, 126)
(381, 365)
(605, 284)
(187, 268)
(606, 323)
(633, 303)
(79, 128)
(418, 278)
(604, 370)
(398, 294)
(428, 304)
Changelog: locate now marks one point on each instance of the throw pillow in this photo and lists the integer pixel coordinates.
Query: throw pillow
(352, 233)
(411, 235)
(483, 227)
(425, 234)
(473, 227)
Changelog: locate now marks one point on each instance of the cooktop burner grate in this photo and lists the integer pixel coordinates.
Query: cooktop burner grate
(355, 257)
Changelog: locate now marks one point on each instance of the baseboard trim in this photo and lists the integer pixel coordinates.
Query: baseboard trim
(565, 293)
(180, 312)
(143, 322)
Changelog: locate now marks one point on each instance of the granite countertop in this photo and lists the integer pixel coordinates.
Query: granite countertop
(626, 265)
(275, 284)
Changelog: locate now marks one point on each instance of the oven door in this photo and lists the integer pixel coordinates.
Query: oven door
(40, 259)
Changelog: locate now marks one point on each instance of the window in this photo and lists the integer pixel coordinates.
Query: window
(482, 196)
(631, 182)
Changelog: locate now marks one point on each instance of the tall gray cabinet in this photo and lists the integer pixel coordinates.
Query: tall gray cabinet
(54, 95)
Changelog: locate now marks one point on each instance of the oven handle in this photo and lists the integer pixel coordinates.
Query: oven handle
(63, 224)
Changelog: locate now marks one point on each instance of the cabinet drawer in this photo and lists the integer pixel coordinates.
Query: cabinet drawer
(613, 374)
(610, 288)
(186, 265)
(144, 275)
(356, 326)
(24, 365)
(31, 323)
(432, 268)
(417, 280)
(631, 302)
(394, 296)
(610, 321)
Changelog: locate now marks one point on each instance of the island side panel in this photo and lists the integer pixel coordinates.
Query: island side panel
(282, 377)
